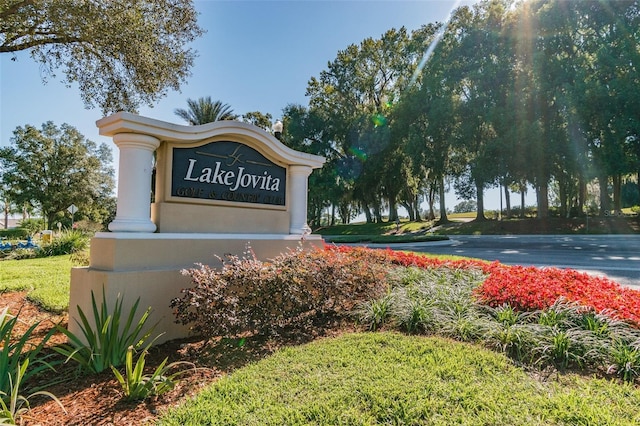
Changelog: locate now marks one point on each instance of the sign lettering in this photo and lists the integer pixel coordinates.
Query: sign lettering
(227, 171)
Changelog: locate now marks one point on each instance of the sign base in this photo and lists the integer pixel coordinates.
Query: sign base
(147, 266)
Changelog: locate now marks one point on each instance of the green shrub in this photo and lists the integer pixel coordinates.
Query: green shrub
(32, 226)
(374, 313)
(248, 295)
(14, 233)
(68, 242)
(88, 227)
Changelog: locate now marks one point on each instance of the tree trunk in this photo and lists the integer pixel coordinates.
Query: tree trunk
(367, 213)
(377, 214)
(480, 207)
(333, 214)
(582, 194)
(542, 195)
(617, 190)
(410, 210)
(417, 216)
(522, 203)
(603, 181)
(393, 210)
(443, 208)
(564, 198)
(431, 200)
(507, 199)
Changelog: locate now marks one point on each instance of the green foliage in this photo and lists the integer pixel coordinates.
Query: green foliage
(14, 233)
(18, 404)
(204, 110)
(18, 254)
(371, 229)
(137, 385)
(79, 171)
(15, 350)
(108, 338)
(383, 239)
(68, 242)
(375, 312)
(247, 295)
(465, 207)
(451, 119)
(94, 43)
(624, 358)
(16, 353)
(88, 227)
(389, 378)
(264, 121)
(31, 226)
(80, 258)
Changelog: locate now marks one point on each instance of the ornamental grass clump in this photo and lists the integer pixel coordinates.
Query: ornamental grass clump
(247, 295)
(435, 300)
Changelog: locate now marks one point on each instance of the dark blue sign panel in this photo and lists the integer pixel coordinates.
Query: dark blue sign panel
(227, 171)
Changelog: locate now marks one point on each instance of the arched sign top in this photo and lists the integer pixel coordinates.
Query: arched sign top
(125, 122)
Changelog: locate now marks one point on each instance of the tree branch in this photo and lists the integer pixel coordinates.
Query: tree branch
(15, 8)
(39, 42)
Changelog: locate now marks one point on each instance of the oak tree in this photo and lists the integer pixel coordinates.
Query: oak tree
(55, 167)
(121, 53)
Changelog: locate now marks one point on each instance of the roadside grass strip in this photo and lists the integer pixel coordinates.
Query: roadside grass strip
(390, 378)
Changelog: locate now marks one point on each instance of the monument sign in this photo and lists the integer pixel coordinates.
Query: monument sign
(219, 187)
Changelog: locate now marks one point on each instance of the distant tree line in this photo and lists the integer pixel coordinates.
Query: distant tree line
(48, 170)
(508, 94)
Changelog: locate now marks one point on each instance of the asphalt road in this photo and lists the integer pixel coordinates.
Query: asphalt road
(614, 256)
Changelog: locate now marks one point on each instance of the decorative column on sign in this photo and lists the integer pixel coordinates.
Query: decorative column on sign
(299, 184)
(133, 212)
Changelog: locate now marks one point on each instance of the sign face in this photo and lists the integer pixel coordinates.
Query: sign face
(227, 171)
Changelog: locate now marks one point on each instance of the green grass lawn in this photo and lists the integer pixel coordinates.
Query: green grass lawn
(394, 379)
(46, 280)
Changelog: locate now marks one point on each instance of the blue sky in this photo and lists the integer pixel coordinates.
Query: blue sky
(255, 56)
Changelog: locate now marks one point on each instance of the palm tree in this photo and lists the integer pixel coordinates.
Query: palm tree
(205, 111)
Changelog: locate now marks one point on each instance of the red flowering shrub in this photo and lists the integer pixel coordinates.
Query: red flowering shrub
(248, 295)
(531, 288)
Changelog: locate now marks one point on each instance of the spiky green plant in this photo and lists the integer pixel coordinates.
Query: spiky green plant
(625, 360)
(14, 351)
(137, 385)
(13, 404)
(375, 313)
(108, 340)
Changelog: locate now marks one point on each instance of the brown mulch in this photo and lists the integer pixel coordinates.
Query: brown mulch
(98, 399)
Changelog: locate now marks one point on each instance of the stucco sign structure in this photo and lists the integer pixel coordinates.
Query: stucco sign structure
(218, 188)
